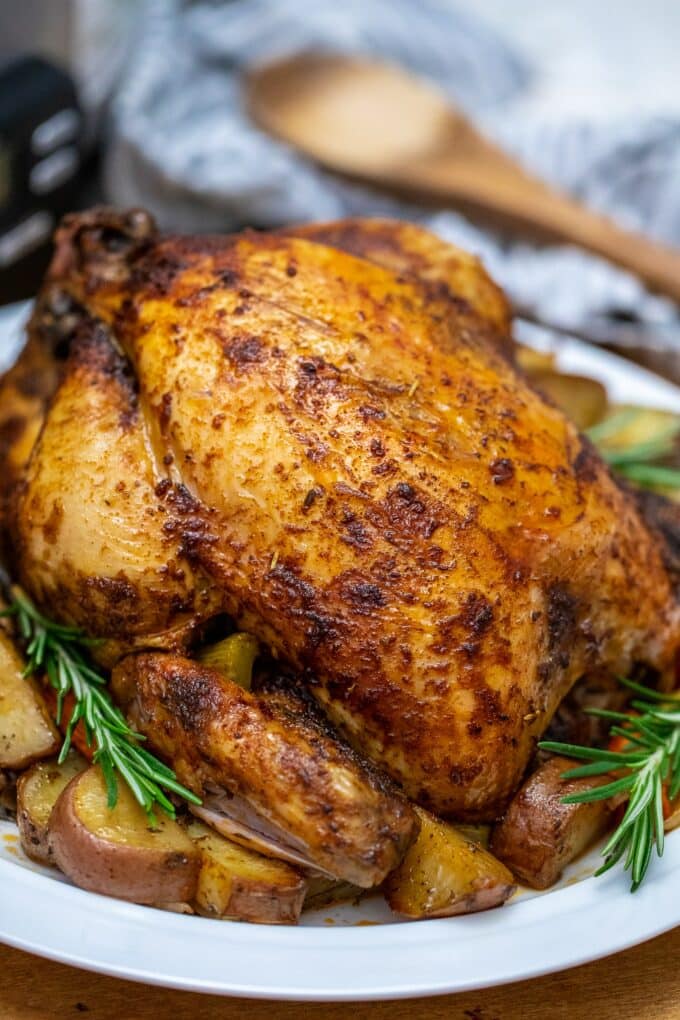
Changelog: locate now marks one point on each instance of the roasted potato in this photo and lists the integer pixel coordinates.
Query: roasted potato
(243, 885)
(233, 657)
(539, 835)
(583, 400)
(532, 361)
(443, 874)
(116, 851)
(27, 732)
(631, 425)
(37, 793)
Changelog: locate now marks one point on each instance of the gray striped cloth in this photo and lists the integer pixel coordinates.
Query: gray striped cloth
(182, 145)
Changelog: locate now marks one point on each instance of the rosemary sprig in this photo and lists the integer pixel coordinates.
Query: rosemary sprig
(648, 762)
(651, 476)
(61, 653)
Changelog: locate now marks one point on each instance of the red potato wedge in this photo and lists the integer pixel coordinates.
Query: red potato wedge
(444, 873)
(233, 657)
(242, 885)
(115, 851)
(584, 400)
(175, 908)
(38, 790)
(673, 820)
(27, 732)
(539, 835)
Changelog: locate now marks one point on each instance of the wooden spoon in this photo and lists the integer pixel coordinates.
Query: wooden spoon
(379, 124)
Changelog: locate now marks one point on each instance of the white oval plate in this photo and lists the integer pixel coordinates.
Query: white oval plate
(346, 953)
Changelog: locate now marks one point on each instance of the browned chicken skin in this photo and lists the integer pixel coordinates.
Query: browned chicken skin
(338, 453)
(267, 770)
(444, 271)
(24, 394)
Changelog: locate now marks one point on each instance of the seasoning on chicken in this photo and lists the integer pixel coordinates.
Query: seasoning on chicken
(270, 774)
(340, 455)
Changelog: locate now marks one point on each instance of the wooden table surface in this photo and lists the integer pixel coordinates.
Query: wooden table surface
(640, 984)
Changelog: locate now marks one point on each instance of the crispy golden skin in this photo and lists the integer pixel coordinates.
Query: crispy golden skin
(24, 392)
(446, 271)
(90, 535)
(348, 457)
(27, 388)
(267, 760)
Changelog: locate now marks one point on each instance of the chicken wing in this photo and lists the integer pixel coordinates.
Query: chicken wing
(270, 774)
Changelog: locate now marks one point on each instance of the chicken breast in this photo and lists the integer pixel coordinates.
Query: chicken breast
(445, 271)
(342, 457)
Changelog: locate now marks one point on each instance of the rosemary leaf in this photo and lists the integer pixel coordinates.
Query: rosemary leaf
(651, 475)
(649, 761)
(60, 652)
(600, 792)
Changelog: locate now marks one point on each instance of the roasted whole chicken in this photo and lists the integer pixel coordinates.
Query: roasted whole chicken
(320, 433)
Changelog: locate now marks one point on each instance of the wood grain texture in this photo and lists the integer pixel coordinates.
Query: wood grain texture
(35, 989)
(392, 130)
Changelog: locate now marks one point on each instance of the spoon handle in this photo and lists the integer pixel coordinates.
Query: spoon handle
(499, 187)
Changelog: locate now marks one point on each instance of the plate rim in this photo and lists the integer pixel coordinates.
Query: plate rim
(603, 909)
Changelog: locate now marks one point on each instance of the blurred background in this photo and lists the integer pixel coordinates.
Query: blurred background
(140, 102)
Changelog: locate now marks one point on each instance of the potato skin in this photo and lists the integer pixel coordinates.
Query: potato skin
(125, 871)
(33, 837)
(37, 792)
(539, 835)
(241, 885)
(255, 904)
(261, 905)
(444, 874)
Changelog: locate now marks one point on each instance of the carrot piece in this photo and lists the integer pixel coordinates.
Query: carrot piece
(667, 806)
(617, 743)
(78, 737)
